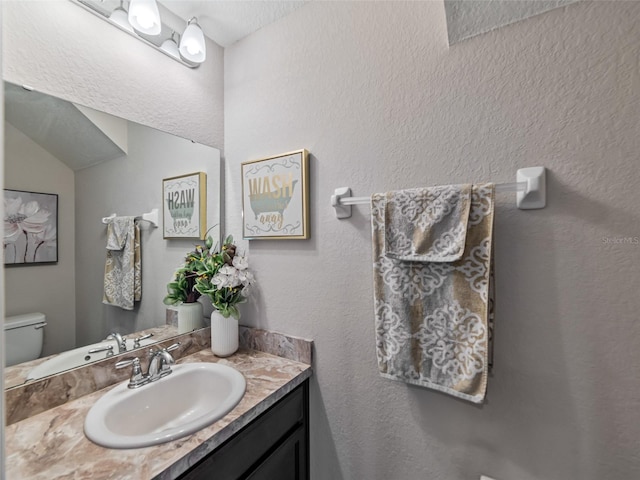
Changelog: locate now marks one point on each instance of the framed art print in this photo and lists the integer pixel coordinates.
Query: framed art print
(184, 201)
(275, 197)
(30, 228)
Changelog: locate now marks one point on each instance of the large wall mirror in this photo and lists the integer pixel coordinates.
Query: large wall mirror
(97, 165)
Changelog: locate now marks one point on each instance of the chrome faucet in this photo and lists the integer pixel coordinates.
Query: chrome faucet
(120, 340)
(161, 361)
(137, 377)
(159, 366)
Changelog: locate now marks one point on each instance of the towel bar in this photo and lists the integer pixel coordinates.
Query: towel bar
(530, 186)
(151, 217)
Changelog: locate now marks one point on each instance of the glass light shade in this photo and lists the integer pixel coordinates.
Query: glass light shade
(144, 16)
(171, 47)
(192, 46)
(119, 17)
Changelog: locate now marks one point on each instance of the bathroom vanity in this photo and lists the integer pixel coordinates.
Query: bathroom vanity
(264, 437)
(274, 446)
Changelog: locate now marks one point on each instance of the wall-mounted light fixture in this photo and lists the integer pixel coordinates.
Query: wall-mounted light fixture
(141, 19)
(192, 45)
(144, 16)
(119, 16)
(170, 46)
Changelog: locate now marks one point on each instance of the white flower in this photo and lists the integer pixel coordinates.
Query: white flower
(231, 276)
(246, 277)
(227, 270)
(240, 263)
(35, 218)
(233, 279)
(18, 218)
(246, 291)
(12, 228)
(48, 235)
(220, 281)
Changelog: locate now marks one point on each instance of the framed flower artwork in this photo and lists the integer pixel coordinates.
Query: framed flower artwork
(30, 228)
(275, 197)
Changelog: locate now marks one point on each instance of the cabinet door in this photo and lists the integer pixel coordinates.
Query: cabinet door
(270, 435)
(287, 462)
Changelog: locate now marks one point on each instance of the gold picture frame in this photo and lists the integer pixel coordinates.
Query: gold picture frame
(184, 206)
(275, 197)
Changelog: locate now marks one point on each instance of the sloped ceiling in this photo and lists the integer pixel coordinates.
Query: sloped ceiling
(59, 127)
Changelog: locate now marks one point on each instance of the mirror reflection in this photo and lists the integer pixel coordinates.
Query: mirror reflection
(97, 165)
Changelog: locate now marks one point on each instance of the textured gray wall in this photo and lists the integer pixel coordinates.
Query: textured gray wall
(69, 53)
(72, 54)
(468, 18)
(131, 185)
(381, 101)
(49, 289)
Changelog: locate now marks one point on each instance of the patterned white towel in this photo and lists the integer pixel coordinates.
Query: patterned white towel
(123, 269)
(432, 319)
(427, 224)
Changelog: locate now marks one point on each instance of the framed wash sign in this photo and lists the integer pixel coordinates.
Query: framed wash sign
(30, 228)
(185, 206)
(275, 197)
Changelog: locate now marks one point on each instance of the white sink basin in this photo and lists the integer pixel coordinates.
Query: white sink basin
(79, 357)
(193, 396)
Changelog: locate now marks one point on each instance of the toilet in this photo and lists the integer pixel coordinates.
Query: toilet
(24, 336)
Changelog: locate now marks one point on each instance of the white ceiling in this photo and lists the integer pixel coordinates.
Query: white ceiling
(227, 21)
(59, 127)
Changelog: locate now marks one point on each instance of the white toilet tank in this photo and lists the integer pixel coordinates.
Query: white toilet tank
(24, 336)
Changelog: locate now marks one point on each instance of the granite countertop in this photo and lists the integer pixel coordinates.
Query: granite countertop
(52, 445)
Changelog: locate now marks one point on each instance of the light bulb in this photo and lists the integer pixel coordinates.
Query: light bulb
(144, 16)
(119, 17)
(145, 22)
(170, 46)
(192, 46)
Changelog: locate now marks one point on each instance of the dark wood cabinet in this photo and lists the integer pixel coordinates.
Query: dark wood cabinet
(275, 446)
(287, 462)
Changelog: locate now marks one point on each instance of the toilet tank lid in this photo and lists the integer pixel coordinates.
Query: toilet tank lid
(24, 320)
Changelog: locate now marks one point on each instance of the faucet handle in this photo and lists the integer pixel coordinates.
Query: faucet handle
(136, 342)
(135, 361)
(153, 352)
(168, 358)
(137, 377)
(108, 349)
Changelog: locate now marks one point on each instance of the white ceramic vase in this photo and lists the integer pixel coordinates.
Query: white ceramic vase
(190, 317)
(224, 335)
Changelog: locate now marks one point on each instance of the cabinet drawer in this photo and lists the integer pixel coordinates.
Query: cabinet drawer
(241, 452)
